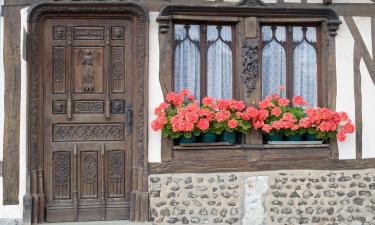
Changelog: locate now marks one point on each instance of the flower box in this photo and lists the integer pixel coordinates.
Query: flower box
(280, 119)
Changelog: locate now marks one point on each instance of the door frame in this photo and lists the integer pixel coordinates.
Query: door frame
(34, 198)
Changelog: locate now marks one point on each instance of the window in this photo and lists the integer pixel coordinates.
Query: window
(203, 59)
(290, 59)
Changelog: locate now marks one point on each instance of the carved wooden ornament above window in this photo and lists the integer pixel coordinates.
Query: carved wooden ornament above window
(251, 3)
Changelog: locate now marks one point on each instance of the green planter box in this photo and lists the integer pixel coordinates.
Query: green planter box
(208, 137)
(230, 137)
(184, 140)
(274, 137)
(296, 137)
(311, 137)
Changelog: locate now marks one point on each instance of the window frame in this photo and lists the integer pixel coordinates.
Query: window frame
(203, 44)
(289, 51)
(246, 18)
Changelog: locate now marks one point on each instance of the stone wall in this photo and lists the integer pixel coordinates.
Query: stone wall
(265, 198)
(196, 199)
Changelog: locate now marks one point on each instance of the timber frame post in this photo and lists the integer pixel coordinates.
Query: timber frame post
(34, 199)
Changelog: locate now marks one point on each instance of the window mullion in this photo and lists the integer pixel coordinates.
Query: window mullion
(289, 61)
(203, 63)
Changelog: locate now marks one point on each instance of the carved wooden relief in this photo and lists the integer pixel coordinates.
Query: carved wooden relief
(250, 71)
(88, 70)
(117, 33)
(88, 132)
(88, 33)
(61, 175)
(89, 175)
(59, 69)
(59, 32)
(116, 165)
(88, 107)
(118, 69)
(118, 106)
(58, 107)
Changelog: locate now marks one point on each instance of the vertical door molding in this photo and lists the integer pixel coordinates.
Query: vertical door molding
(34, 198)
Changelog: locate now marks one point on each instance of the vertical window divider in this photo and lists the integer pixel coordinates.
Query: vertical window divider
(203, 55)
(289, 61)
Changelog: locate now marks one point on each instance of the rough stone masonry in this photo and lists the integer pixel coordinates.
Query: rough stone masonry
(265, 198)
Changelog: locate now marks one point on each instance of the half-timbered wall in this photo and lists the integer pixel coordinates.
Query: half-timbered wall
(355, 73)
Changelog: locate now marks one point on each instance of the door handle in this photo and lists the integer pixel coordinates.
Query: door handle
(129, 119)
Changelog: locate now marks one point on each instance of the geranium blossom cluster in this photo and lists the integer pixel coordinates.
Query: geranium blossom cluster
(328, 123)
(298, 118)
(181, 114)
(278, 115)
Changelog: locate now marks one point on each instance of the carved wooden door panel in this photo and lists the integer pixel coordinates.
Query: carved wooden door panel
(87, 71)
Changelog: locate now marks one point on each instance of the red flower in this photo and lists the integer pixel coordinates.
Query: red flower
(258, 124)
(298, 100)
(207, 101)
(159, 122)
(252, 112)
(208, 114)
(283, 102)
(305, 122)
(156, 126)
(276, 111)
(203, 124)
(266, 128)
(263, 114)
(349, 127)
(341, 135)
(343, 116)
(232, 123)
(191, 97)
(222, 115)
(223, 104)
(160, 109)
(265, 104)
(184, 92)
(192, 117)
(237, 105)
(174, 98)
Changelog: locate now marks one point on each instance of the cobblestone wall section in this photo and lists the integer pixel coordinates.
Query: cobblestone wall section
(196, 199)
(265, 198)
(330, 198)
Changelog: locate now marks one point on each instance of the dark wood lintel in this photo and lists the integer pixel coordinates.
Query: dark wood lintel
(244, 166)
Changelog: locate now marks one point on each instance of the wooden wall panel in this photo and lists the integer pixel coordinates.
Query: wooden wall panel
(12, 81)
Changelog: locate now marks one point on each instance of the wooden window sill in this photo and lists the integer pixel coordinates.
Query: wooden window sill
(274, 145)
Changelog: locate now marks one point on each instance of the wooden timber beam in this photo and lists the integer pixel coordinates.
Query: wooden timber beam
(12, 81)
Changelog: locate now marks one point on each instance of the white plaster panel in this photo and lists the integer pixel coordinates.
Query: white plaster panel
(368, 112)
(270, 1)
(364, 27)
(345, 88)
(155, 93)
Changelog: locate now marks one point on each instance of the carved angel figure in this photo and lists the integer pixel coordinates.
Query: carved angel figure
(86, 58)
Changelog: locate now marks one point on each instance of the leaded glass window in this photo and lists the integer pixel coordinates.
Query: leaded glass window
(203, 59)
(290, 59)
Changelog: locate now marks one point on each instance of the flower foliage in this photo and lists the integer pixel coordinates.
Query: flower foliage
(181, 115)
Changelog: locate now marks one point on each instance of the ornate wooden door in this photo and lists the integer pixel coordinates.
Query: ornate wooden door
(87, 70)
